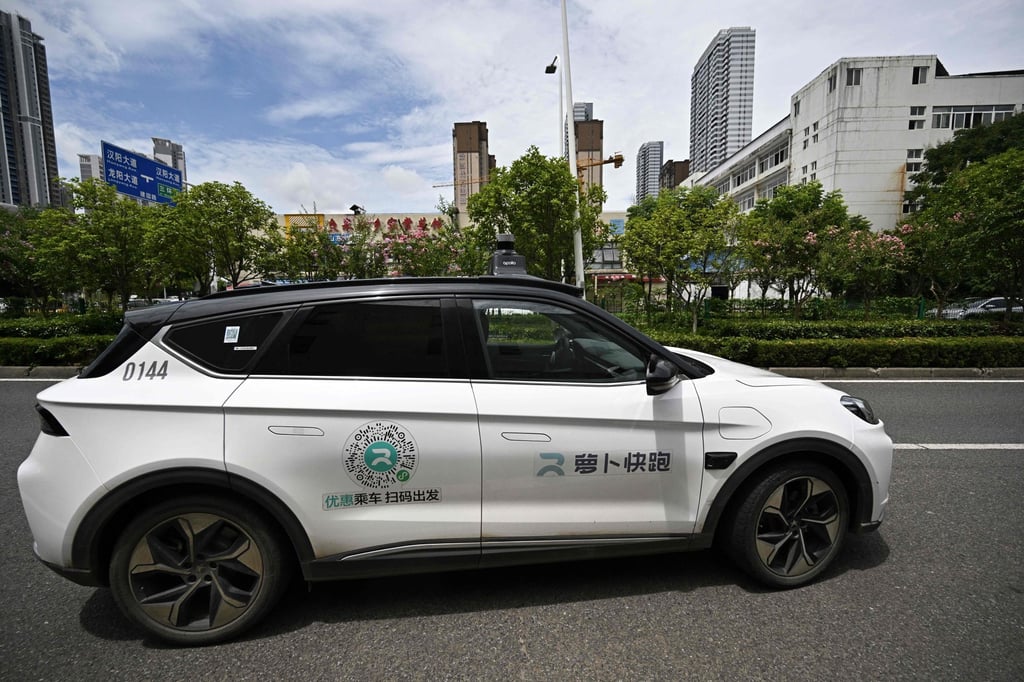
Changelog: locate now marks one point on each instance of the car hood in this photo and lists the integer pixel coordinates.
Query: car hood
(744, 374)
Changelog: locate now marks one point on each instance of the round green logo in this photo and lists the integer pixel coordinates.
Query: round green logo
(380, 456)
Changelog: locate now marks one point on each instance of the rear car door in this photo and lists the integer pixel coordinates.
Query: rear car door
(361, 418)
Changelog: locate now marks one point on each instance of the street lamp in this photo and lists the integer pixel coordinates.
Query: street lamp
(552, 68)
(577, 236)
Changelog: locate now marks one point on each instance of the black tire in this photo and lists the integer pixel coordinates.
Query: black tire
(198, 570)
(789, 525)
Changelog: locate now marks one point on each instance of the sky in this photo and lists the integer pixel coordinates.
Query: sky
(322, 104)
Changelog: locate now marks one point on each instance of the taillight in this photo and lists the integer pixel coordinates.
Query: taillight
(48, 423)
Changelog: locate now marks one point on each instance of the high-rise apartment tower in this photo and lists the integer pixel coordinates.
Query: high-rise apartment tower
(28, 164)
(472, 161)
(648, 169)
(722, 98)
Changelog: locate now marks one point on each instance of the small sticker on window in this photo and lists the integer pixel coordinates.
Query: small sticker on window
(231, 334)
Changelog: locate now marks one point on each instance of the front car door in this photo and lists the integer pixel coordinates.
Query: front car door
(575, 452)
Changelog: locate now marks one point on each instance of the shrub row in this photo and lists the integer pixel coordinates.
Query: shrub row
(60, 325)
(979, 351)
(863, 329)
(66, 350)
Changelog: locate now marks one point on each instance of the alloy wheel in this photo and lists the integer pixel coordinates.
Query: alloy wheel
(798, 526)
(195, 572)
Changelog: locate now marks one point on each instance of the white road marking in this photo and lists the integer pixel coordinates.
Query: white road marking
(958, 446)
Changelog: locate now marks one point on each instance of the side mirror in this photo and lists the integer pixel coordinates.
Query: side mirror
(662, 375)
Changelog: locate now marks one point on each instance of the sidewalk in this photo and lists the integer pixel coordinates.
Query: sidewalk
(829, 373)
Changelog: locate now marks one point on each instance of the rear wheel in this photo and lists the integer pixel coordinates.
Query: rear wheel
(198, 570)
(790, 526)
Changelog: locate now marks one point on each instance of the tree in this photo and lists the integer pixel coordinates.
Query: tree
(869, 262)
(539, 202)
(981, 210)
(108, 237)
(307, 252)
(229, 225)
(17, 271)
(363, 256)
(798, 225)
(688, 238)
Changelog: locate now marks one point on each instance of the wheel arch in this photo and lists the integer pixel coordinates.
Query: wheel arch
(95, 537)
(844, 463)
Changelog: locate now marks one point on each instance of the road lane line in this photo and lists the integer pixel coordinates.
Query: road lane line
(958, 446)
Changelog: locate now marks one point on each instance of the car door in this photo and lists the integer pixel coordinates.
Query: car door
(574, 449)
(360, 419)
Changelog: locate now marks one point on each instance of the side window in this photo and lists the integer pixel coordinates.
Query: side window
(532, 341)
(364, 339)
(226, 344)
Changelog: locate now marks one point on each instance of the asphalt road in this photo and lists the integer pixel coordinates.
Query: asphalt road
(936, 594)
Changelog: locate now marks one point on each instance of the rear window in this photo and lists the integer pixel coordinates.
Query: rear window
(226, 344)
(364, 339)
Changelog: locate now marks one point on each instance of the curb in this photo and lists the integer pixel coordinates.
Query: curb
(827, 373)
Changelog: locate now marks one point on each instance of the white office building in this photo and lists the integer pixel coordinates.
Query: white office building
(862, 127)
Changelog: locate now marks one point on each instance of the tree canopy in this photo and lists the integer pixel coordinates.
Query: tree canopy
(538, 201)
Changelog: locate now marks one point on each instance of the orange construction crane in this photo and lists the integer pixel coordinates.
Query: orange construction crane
(481, 181)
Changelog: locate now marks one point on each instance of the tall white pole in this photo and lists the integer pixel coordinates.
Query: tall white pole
(577, 236)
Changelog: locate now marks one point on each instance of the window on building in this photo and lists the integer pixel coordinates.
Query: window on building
(803, 170)
(832, 81)
(853, 76)
(971, 116)
(815, 138)
(814, 165)
(796, 108)
(913, 166)
(805, 144)
(911, 207)
(915, 153)
(814, 176)
(746, 202)
(815, 127)
(807, 131)
(745, 175)
(916, 124)
(772, 159)
(917, 111)
(920, 75)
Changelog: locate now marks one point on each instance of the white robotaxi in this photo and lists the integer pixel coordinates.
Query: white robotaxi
(349, 429)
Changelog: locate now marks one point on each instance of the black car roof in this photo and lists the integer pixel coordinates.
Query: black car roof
(256, 297)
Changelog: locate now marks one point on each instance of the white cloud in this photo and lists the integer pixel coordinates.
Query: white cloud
(353, 102)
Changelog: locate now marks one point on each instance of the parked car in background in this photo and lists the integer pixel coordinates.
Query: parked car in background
(953, 309)
(987, 306)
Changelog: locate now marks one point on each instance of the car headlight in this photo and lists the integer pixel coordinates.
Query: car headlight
(859, 407)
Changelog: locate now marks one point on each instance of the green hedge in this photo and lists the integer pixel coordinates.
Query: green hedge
(981, 351)
(60, 325)
(893, 328)
(68, 350)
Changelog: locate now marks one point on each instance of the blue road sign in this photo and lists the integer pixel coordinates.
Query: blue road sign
(137, 176)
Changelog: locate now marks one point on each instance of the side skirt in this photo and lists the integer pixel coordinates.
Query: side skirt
(435, 557)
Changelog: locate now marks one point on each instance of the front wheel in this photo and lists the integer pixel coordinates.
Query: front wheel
(790, 526)
(197, 570)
